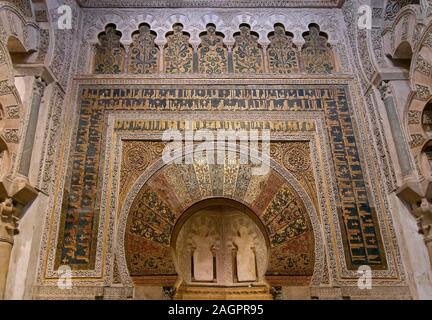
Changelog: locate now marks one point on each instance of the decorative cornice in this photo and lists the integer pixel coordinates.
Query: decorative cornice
(211, 3)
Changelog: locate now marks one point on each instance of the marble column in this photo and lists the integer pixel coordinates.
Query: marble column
(8, 228)
(298, 48)
(230, 58)
(396, 129)
(38, 90)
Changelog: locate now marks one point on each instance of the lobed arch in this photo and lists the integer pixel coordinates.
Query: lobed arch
(5, 157)
(420, 98)
(17, 25)
(186, 31)
(211, 24)
(402, 31)
(17, 51)
(11, 46)
(317, 26)
(403, 51)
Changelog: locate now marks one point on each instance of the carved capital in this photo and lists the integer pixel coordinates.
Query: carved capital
(385, 90)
